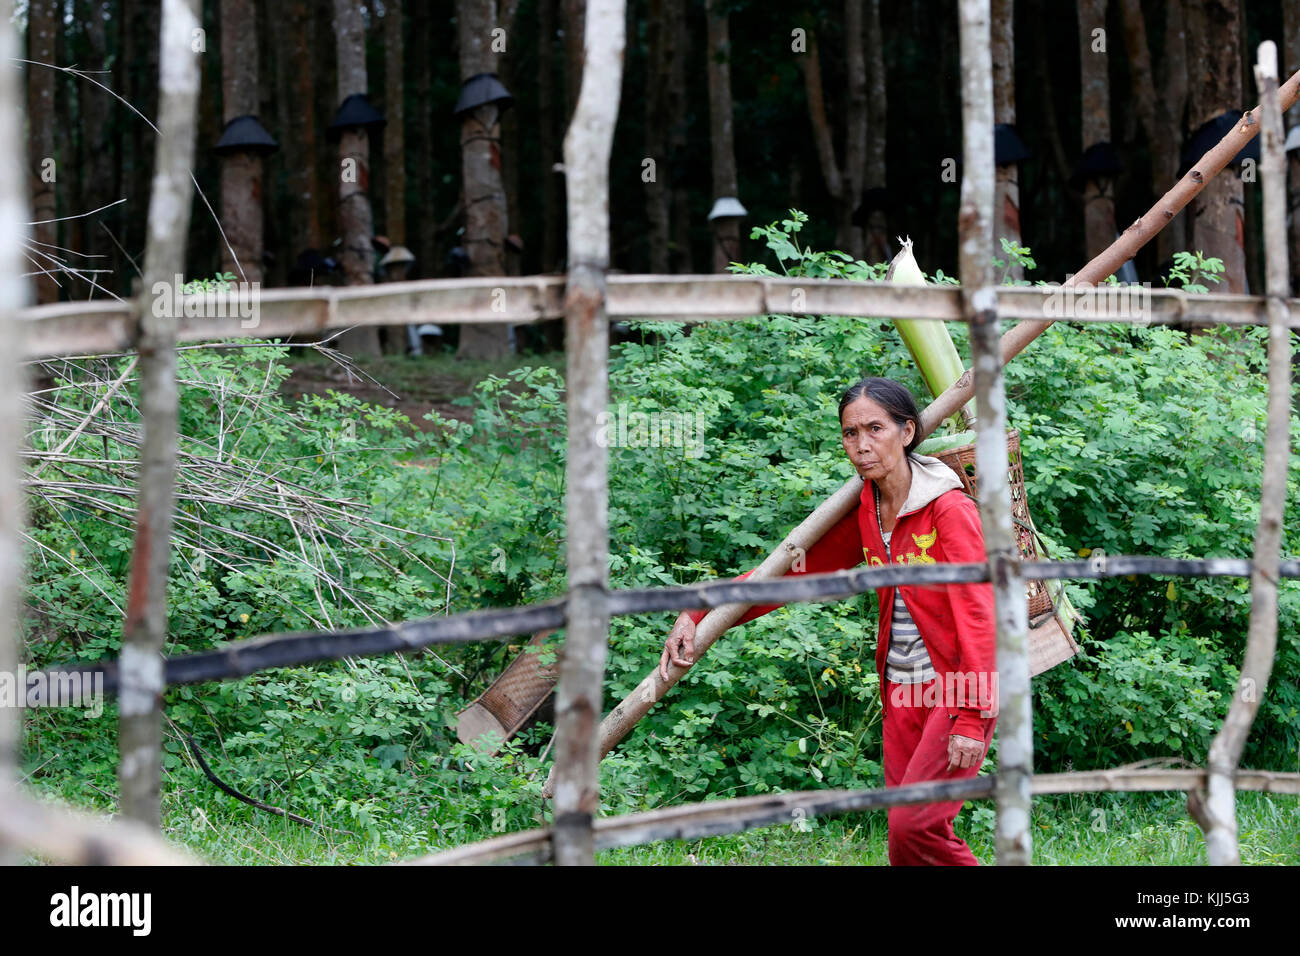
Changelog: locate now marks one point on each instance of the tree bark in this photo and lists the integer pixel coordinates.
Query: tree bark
(1175, 81)
(843, 183)
(726, 229)
(1006, 199)
(241, 172)
(141, 19)
(855, 133)
(876, 235)
(1217, 213)
(298, 121)
(356, 219)
(394, 150)
(41, 26)
(1291, 62)
(1099, 193)
(1160, 116)
(96, 109)
(679, 160)
(656, 129)
(481, 184)
(427, 260)
(574, 16)
(145, 629)
(510, 135)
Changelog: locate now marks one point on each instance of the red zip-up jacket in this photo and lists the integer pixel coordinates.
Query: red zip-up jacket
(938, 523)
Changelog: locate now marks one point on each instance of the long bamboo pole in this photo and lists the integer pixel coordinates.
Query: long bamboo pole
(145, 628)
(1217, 812)
(579, 698)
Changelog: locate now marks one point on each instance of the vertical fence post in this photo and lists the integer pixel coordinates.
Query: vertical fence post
(145, 628)
(1217, 813)
(13, 295)
(579, 699)
(979, 300)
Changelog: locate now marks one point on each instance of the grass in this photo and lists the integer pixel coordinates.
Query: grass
(1068, 830)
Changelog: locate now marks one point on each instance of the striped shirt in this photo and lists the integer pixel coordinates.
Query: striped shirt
(908, 662)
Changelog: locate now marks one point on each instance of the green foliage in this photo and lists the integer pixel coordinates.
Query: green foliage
(221, 282)
(1193, 270)
(1016, 255)
(1136, 440)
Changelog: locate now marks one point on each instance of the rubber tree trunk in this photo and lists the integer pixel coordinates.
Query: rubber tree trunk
(241, 172)
(656, 138)
(1094, 75)
(394, 151)
(298, 124)
(96, 110)
(41, 25)
(425, 225)
(481, 185)
(679, 52)
(1160, 115)
(356, 219)
(875, 237)
(843, 182)
(1290, 62)
(1217, 213)
(1006, 195)
(726, 229)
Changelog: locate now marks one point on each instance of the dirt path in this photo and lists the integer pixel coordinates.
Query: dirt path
(411, 385)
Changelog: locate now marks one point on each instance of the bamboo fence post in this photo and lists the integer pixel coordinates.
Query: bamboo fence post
(979, 296)
(1217, 811)
(579, 699)
(144, 631)
(1122, 249)
(14, 291)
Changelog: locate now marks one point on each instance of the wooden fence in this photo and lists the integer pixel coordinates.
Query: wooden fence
(588, 297)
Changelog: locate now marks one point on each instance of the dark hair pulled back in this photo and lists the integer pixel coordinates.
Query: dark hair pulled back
(893, 398)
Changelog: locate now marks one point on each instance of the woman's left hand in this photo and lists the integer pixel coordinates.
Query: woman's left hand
(963, 752)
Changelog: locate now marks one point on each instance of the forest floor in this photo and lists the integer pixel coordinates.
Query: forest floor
(412, 384)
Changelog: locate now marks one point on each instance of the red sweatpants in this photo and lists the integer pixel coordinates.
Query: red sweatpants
(915, 749)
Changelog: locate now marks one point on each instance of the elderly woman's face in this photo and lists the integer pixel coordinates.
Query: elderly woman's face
(872, 440)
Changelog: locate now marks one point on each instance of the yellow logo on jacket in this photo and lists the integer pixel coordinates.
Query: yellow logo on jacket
(923, 541)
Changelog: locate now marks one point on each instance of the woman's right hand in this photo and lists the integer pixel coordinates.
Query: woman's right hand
(679, 648)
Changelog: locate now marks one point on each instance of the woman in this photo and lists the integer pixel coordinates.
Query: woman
(935, 651)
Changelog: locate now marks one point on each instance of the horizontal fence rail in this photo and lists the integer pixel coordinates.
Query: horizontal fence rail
(108, 326)
(710, 818)
(56, 687)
